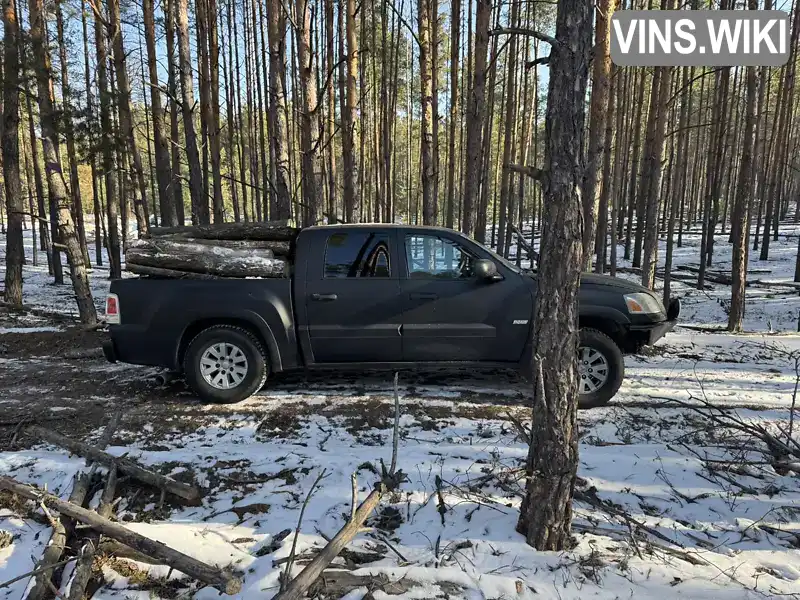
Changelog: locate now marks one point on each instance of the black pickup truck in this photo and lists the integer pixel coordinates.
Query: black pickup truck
(371, 297)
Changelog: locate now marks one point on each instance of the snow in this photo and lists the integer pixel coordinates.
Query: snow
(648, 454)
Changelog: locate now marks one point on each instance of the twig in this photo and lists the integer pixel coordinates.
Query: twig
(35, 572)
(290, 562)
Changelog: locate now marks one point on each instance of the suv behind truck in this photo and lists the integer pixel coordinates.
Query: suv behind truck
(371, 297)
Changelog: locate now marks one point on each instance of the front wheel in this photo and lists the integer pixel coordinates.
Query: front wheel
(601, 368)
(225, 364)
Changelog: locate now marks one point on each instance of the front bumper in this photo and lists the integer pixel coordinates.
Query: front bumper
(649, 333)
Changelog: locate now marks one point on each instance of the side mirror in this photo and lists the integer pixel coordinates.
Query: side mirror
(486, 269)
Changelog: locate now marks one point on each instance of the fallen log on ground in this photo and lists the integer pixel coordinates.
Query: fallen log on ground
(200, 258)
(270, 231)
(337, 584)
(125, 465)
(217, 578)
(83, 568)
(63, 527)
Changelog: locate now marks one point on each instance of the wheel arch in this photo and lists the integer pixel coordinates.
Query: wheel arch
(249, 322)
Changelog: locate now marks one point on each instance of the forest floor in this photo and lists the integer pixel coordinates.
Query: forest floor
(676, 499)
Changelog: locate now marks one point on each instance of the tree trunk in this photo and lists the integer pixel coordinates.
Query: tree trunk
(176, 187)
(453, 121)
(15, 251)
(741, 213)
(200, 213)
(349, 102)
(69, 135)
(546, 513)
(475, 117)
(127, 132)
(606, 182)
(510, 131)
(652, 165)
(214, 124)
(330, 122)
(98, 211)
(426, 99)
(108, 146)
(55, 178)
(169, 216)
(311, 169)
(598, 113)
(277, 107)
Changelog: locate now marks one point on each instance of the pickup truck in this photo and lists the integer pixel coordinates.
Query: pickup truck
(371, 297)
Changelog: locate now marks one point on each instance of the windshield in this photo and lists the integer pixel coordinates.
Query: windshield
(496, 256)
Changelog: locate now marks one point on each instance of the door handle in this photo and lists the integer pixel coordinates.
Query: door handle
(324, 297)
(424, 296)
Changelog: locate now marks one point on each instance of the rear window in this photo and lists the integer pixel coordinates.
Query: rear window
(356, 254)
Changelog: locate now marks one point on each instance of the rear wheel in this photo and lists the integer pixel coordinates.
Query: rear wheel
(601, 368)
(225, 364)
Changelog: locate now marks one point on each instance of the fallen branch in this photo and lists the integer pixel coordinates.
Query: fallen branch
(179, 561)
(127, 466)
(390, 480)
(62, 527)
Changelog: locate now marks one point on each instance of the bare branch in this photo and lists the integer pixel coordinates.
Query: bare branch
(533, 172)
(527, 32)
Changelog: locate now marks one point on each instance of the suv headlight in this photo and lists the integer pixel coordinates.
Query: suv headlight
(643, 304)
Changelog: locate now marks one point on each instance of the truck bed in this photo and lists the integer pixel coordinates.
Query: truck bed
(157, 312)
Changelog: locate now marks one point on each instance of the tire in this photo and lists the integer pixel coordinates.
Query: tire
(598, 345)
(234, 347)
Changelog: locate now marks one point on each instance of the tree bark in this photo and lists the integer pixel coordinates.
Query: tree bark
(652, 167)
(200, 212)
(349, 102)
(426, 100)
(546, 513)
(167, 208)
(311, 168)
(127, 132)
(269, 231)
(55, 178)
(453, 121)
(108, 150)
(744, 188)
(15, 252)
(176, 187)
(69, 135)
(277, 107)
(475, 117)
(598, 114)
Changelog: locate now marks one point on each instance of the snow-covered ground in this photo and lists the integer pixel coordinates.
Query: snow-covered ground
(670, 504)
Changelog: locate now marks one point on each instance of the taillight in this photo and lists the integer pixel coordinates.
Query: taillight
(112, 309)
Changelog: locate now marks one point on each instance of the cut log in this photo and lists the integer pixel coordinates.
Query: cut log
(199, 258)
(125, 465)
(271, 230)
(221, 580)
(167, 273)
(279, 248)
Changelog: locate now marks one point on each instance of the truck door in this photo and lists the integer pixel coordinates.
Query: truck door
(352, 297)
(451, 315)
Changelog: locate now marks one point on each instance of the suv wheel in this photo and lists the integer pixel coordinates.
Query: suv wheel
(225, 364)
(601, 368)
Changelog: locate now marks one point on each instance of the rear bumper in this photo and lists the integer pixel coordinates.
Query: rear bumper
(109, 351)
